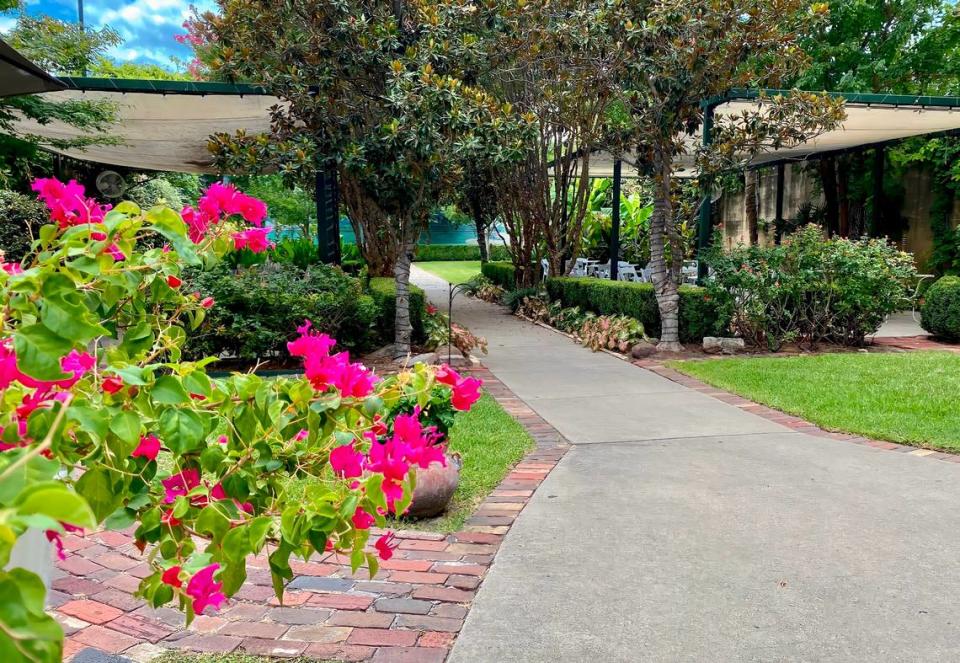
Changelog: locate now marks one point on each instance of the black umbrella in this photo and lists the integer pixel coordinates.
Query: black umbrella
(20, 76)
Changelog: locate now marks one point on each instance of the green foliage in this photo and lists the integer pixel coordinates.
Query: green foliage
(157, 191)
(811, 289)
(501, 273)
(259, 308)
(635, 212)
(445, 252)
(384, 293)
(699, 314)
(20, 218)
(106, 68)
(61, 47)
(941, 309)
(289, 205)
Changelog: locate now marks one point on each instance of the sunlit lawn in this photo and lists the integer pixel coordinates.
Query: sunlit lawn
(911, 398)
(453, 271)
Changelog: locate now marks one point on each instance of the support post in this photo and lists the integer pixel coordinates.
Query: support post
(879, 157)
(778, 218)
(706, 207)
(615, 222)
(328, 217)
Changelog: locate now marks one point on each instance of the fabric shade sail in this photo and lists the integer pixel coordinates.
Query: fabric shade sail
(165, 125)
(162, 125)
(20, 76)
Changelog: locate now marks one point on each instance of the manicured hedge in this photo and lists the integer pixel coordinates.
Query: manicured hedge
(433, 252)
(501, 273)
(698, 315)
(941, 309)
(384, 293)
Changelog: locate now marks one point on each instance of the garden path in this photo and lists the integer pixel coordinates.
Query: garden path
(682, 528)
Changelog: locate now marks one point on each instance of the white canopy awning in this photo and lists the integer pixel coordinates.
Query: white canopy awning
(162, 125)
(166, 125)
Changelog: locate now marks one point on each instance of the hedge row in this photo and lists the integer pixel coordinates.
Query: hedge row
(698, 315)
(940, 314)
(384, 293)
(501, 273)
(433, 252)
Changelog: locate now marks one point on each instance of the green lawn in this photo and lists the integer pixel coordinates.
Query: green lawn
(453, 271)
(911, 398)
(490, 442)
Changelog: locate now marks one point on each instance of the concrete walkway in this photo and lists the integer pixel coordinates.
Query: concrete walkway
(679, 528)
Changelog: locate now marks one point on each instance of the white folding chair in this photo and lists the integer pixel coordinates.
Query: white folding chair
(579, 267)
(544, 269)
(627, 272)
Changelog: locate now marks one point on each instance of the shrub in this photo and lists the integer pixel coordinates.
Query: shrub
(501, 273)
(699, 315)
(811, 289)
(259, 308)
(20, 218)
(439, 252)
(597, 332)
(384, 293)
(941, 309)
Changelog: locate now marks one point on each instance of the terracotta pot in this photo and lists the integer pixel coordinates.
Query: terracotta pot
(435, 488)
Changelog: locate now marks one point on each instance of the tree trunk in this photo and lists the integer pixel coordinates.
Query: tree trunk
(828, 177)
(664, 282)
(750, 206)
(482, 239)
(402, 327)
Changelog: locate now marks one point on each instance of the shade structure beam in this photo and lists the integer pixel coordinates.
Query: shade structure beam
(615, 222)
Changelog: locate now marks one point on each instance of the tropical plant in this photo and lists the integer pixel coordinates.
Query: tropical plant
(103, 423)
(441, 331)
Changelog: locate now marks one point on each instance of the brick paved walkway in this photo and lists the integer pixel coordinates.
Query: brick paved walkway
(915, 343)
(410, 612)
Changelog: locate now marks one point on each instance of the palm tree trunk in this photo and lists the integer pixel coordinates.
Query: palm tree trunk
(750, 206)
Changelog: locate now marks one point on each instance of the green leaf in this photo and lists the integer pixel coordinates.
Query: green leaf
(99, 491)
(211, 521)
(181, 430)
(168, 390)
(137, 339)
(39, 351)
(92, 420)
(169, 224)
(133, 375)
(126, 426)
(27, 633)
(63, 312)
(58, 502)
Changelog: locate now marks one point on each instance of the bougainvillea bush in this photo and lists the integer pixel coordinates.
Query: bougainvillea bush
(104, 424)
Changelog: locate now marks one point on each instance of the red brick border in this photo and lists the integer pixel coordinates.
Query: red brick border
(410, 612)
(914, 343)
(784, 419)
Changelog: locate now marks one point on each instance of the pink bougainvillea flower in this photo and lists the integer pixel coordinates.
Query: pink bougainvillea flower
(172, 577)
(207, 302)
(68, 203)
(12, 268)
(466, 391)
(255, 239)
(78, 363)
(204, 590)
(223, 439)
(112, 384)
(251, 209)
(325, 370)
(378, 428)
(218, 493)
(148, 448)
(180, 484)
(346, 461)
(9, 372)
(197, 224)
(98, 236)
(114, 252)
(385, 546)
(302, 435)
(431, 309)
(362, 520)
(53, 536)
(167, 518)
(173, 281)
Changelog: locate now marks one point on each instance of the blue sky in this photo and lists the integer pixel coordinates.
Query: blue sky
(147, 26)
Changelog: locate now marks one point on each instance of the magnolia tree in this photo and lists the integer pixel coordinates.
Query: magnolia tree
(102, 423)
(382, 92)
(678, 53)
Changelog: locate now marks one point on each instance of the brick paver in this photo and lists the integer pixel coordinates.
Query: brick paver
(410, 613)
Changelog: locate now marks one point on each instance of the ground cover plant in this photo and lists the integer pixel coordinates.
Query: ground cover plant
(96, 392)
(908, 398)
